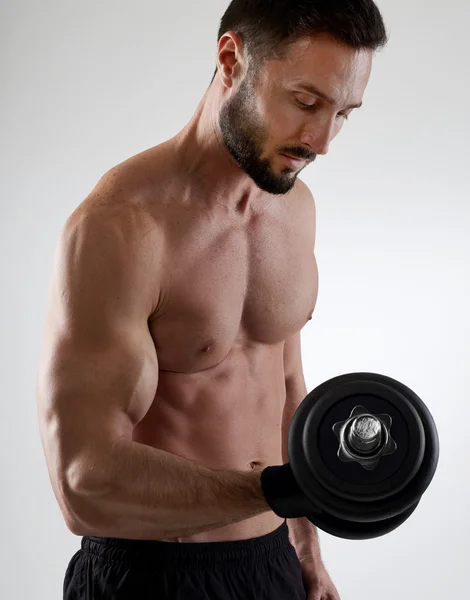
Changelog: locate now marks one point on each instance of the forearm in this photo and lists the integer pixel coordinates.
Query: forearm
(151, 494)
(303, 535)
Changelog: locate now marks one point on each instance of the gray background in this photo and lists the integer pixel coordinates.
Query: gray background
(85, 85)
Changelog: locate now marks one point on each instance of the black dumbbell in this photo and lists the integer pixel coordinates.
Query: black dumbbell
(364, 448)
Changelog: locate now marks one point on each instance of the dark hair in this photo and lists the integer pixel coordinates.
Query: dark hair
(269, 27)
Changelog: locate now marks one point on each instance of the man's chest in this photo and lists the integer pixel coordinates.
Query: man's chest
(233, 286)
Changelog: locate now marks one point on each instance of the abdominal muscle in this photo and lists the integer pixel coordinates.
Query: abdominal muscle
(225, 417)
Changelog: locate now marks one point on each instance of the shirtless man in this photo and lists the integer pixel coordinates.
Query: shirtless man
(171, 365)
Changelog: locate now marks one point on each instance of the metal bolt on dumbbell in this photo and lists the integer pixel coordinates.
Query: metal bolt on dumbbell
(364, 438)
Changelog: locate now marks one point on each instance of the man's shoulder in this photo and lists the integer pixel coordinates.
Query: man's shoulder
(306, 207)
(137, 181)
(112, 218)
(127, 194)
(304, 195)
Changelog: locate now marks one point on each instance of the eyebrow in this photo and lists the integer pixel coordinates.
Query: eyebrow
(313, 90)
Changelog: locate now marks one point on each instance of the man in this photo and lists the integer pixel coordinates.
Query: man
(171, 366)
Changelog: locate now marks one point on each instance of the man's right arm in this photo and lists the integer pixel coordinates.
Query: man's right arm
(97, 379)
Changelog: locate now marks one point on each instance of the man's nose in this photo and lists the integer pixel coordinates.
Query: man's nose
(319, 136)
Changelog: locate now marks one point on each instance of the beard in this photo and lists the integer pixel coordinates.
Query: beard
(244, 135)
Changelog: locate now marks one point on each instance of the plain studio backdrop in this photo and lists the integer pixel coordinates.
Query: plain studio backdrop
(85, 85)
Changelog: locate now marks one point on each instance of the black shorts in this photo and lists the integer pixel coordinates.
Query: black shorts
(263, 568)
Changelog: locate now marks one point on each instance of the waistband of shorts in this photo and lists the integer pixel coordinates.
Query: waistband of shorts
(188, 554)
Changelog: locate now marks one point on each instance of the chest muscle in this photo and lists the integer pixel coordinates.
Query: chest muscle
(233, 287)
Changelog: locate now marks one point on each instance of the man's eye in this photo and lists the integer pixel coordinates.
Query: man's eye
(302, 105)
(311, 106)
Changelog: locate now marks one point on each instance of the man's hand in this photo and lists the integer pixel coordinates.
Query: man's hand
(317, 582)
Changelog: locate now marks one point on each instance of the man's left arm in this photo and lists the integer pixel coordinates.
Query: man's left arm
(303, 535)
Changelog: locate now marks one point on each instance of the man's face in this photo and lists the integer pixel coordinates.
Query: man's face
(264, 118)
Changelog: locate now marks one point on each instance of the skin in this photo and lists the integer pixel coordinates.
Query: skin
(181, 285)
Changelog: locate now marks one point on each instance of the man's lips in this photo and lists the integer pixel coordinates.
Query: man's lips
(296, 162)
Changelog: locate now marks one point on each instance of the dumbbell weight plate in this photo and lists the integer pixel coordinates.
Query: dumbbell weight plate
(352, 530)
(347, 489)
(351, 480)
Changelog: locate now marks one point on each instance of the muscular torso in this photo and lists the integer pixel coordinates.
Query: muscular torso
(237, 284)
